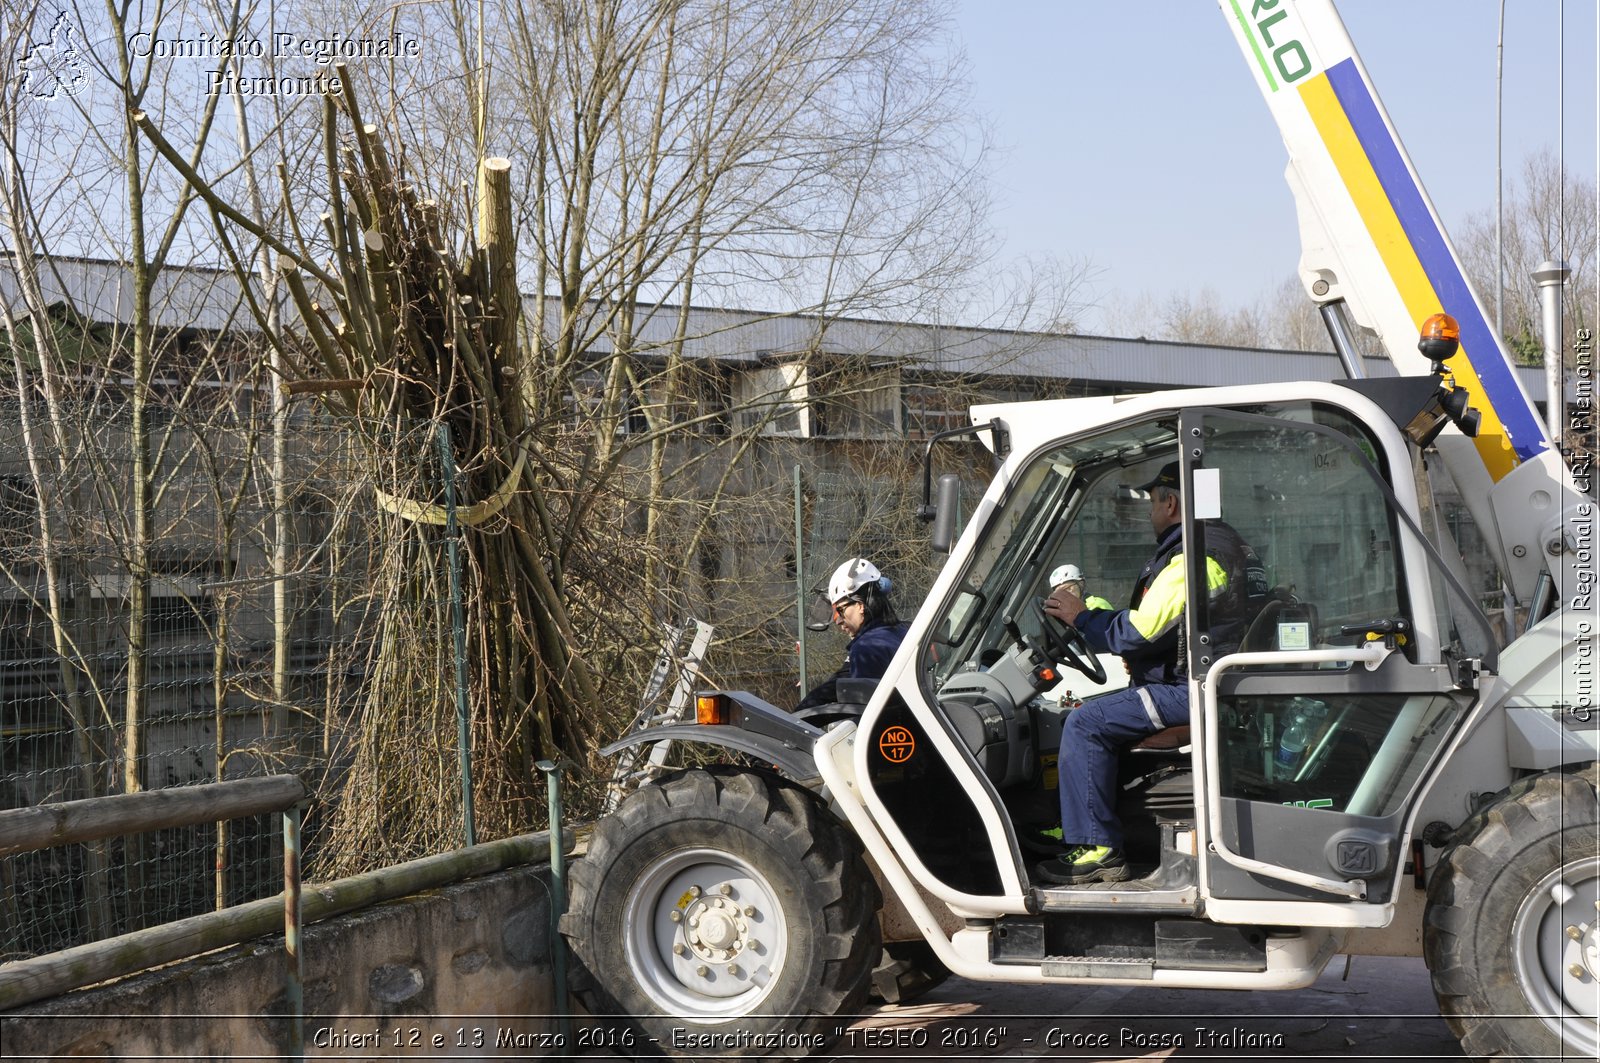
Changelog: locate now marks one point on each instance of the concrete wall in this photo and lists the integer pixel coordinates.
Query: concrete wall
(461, 972)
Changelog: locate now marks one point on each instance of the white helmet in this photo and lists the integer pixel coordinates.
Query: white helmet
(851, 577)
(1066, 574)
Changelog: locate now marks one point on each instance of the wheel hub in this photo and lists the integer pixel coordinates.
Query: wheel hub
(707, 935)
(715, 929)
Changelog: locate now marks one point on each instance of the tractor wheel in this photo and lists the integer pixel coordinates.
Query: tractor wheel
(906, 971)
(723, 913)
(1513, 915)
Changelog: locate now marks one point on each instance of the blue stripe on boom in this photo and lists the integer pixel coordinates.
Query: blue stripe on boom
(1516, 413)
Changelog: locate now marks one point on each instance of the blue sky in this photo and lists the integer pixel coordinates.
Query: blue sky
(1135, 137)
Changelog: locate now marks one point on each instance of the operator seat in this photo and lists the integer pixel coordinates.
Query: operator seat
(1154, 770)
(1155, 788)
(1261, 635)
(1166, 740)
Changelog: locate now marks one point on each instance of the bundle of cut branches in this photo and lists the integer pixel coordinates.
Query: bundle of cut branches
(411, 336)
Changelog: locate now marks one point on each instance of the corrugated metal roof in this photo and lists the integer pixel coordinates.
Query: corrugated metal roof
(1137, 364)
(208, 300)
(103, 291)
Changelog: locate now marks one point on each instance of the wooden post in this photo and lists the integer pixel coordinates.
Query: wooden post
(497, 235)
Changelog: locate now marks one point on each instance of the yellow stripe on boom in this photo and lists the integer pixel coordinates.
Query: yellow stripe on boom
(1400, 258)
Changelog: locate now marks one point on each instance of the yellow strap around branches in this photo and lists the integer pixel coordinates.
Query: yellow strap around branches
(477, 513)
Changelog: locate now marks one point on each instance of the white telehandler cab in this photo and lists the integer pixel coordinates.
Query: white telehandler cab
(1378, 768)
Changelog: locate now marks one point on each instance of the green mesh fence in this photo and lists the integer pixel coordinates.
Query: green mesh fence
(234, 635)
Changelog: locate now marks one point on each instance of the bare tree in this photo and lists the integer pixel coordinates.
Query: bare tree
(715, 151)
(1548, 214)
(33, 341)
(123, 409)
(723, 152)
(657, 155)
(1187, 317)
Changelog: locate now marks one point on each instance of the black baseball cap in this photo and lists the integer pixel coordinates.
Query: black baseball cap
(1168, 477)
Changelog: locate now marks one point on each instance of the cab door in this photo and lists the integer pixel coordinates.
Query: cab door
(1324, 702)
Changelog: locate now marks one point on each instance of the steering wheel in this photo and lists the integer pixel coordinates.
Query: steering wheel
(1065, 644)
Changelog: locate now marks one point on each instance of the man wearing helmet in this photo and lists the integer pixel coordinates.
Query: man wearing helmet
(861, 608)
(1071, 577)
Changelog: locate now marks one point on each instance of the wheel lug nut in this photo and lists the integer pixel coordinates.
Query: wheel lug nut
(678, 949)
(724, 889)
(694, 891)
(702, 970)
(733, 968)
(1574, 933)
(1576, 970)
(675, 915)
(750, 910)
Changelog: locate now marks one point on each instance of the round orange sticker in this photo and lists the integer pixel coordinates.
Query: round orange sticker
(897, 744)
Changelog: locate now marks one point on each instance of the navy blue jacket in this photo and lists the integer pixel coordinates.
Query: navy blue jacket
(867, 657)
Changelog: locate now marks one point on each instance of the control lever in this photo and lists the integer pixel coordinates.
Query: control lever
(1395, 631)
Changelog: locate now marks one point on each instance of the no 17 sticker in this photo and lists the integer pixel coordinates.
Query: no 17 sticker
(897, 744)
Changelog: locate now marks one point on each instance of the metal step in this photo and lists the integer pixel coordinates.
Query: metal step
(1170, 888)
(1136, 968)
(1136, 896)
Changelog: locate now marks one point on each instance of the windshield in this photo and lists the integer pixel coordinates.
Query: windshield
(1075, 504)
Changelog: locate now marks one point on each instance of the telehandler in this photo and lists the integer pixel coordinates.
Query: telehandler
(1379, 768)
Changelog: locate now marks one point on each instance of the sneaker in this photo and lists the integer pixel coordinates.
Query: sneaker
(1043, 842)
(1085, 863)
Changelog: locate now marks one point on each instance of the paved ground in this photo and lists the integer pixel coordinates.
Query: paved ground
(1384, 1010)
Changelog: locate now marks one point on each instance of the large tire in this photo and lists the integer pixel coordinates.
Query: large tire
(906, 971)
(723, 913)
(1496, 935)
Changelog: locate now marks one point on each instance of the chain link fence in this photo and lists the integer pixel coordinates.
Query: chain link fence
(231, 632)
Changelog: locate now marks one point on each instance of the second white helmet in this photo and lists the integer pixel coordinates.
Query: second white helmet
(1066, 574)
(851, 577)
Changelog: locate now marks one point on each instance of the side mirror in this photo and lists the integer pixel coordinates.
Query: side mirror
(946, 510)
(1000, 441)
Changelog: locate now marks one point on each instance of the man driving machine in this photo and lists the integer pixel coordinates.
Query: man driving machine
(1147, 635)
